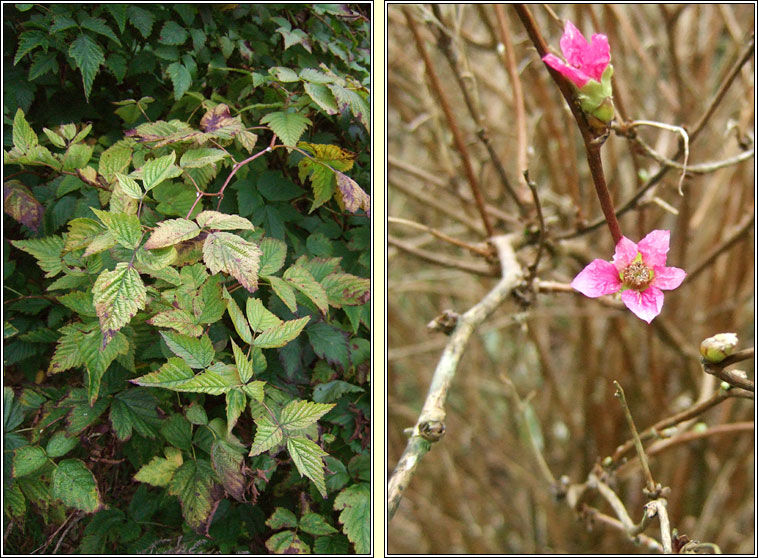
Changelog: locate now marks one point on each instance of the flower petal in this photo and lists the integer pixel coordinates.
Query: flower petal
(654, 248)
(573, 45)
(646, 305)
(668, 278)
(626, 251)
(577, 76)
(597, 279)
(597, 56)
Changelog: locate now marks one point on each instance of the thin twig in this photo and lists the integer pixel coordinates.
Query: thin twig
(452, 122)
(442, 259)
(636, 437)
(430, 426)
(742, 228)
(541, 241)
(442, 236)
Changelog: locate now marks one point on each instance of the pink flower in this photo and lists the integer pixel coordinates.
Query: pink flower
(586, 61)
(638, 270)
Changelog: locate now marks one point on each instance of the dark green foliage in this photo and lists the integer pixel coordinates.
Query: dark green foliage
(186, 326)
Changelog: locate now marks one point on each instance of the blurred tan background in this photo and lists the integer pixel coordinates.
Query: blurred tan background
(479, 489)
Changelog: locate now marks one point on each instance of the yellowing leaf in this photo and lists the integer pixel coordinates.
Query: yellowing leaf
(118, 296)
(158, 170)
(222, 221)
(230, 253)
(160, 471)
(303, 281)
(236, 401)
(267, 435)
(170, 232)
(279, 336)
(198, 353)
(244, 366)
(75, 486)
(284, 291)
(126, 229)
(350, 196)
(355, 503)
(307, 457)
(259, 317)
(297, 415)
(178, 320)
(238, 318)
(289, 126)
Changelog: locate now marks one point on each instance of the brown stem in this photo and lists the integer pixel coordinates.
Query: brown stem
(460, 143)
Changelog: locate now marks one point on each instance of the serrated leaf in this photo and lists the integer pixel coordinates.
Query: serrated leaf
(303, 281)
(170, 232)
(344, 289)
(134, 409)
(99, 243)
(222, 221)
(174, 372)
(179, 320)
(282, 518)
(99, 26)
(115, 160)
(267, 435)
(118, 296)
(329, 343)
(244, 366)
(230, 253)
(60, 444)
(192, 484)
(20, 203)
(76, 158)
(254, 390)
(352, 100)
(315, 524)
(236, 401)
(195, 158)
(173, 34)
(80, 302)
(197, 353)
(158, 170)
(160, 471)
(351, 196)
(180, 78)
(307, 457)
(259, 317)
(355, 503)
(27, 459)
(24, 137)
(280, 335)
(238, 318)
(75, 486)
(297, 415)
(54, 138)
(323, 97)
(126, 229)
(314, 76)
(130, 186)
(227, 462)
(289, 126)
(47, 252)
(88, 57)
(142, 20)
(274, 252)
(284, 291)
(28, 41)
(98, 352)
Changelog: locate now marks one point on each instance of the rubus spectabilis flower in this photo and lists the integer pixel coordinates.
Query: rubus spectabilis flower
(638, 271)
(588, 67)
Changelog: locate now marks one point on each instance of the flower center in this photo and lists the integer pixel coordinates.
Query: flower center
(637, 275)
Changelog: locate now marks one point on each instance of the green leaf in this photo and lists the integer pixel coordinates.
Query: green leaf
(196, 414)
(352, 100)
(134, 409)
(332, 391)
(315, 524)
(286, 542)
(75, 486)
(98, 352)
(280, 335)
(126, 229)
(80, 302)
(222, 221)
(192, 483)
(301, 414)
(14, 502)
(178, 432)
(254, 390)
(236, 401)
(259, 317)
(178, 320)
(130, 186)
(196, 158)
(282, 518)
(54, 138)
(24, 137)
(173, 34)
(244, 366)
(170, 232)
(323, 97)
(304, 282)
(344, 289)
(27, 459)
(158, 170)
(227, 462)
(81, 232)
(335, 544)
(77, 156)
(330, 343)
(114, 161)
(307, 457)
(180, 77)
(284, 291)
(238, 318)
(47, 252)
(230, 253)
(314, 76)
(355, 503)
(28, 41)
(118, 296)
(160, 471)
(197, 353)
(13, 413)
(142, 20)
(99, 26)
(274, 252)
(88, 57)
(174, 373)
(267, 435)
(289, 126)
(60, 444)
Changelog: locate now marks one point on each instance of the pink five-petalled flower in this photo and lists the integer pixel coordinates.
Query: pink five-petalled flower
(638, 270)
(584, 60)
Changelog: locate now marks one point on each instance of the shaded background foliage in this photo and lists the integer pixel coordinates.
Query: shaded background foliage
(78, 63)
(479, 489)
